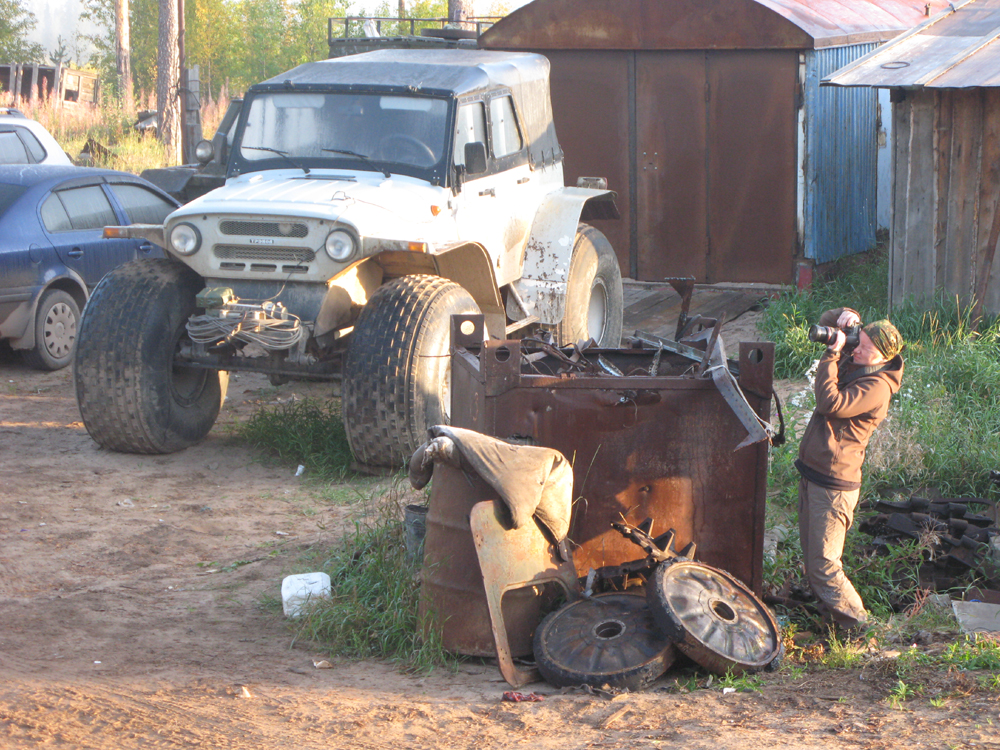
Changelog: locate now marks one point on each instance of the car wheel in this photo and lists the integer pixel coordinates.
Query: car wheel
(594, 296)
(56, 320)
(397, 374)
(132, 396)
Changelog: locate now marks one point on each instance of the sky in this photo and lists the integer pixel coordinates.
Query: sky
(62, 18)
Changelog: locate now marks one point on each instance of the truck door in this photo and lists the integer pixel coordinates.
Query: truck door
(478, 216)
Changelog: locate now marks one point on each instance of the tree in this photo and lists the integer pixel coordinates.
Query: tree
(15, 23)
(167, 81)
(60, 55)
(123, 52)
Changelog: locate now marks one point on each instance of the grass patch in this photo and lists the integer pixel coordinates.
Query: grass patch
(372, 611)
(308, 433)
(112, 126)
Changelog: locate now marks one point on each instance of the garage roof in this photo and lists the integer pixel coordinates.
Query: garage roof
(705, 24)
(956, 49)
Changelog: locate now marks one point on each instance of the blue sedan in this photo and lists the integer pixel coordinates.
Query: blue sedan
(53, 252)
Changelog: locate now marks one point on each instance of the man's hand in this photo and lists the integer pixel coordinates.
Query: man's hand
(848, 319)
(839, 339)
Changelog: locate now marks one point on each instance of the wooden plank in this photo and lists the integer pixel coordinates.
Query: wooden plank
(918, 280)
(942, 161)
(662, 321)
(989, 199)
(900, 170)
(962, 219)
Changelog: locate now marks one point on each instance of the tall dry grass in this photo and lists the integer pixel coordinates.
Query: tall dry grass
(104, 135)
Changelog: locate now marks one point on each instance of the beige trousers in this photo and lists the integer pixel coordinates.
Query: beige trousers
(824, 518)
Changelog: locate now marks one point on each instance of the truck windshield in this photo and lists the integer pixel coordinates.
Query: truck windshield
(325, 129)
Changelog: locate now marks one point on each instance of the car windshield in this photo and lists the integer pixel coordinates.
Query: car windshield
(365, 131)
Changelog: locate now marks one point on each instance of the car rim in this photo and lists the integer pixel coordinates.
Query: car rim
(597, 312)
(59, 330)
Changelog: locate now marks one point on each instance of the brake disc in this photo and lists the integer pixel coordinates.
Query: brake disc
(715, 619)
(608, 639)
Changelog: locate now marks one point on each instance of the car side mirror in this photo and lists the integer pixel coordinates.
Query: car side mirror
(475, 157)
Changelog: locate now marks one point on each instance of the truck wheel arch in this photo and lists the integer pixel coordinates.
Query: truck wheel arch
(467, 264)
(548, 254)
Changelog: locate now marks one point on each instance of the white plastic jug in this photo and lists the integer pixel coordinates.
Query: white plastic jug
(297, 590)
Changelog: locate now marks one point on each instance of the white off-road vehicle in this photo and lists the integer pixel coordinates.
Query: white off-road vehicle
(369, 198)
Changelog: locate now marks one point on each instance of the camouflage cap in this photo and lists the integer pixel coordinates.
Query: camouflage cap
(885, 337)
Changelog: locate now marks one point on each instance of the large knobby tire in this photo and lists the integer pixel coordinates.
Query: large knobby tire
(594, 296)
(57, 318)
(397, 374)
(131, 396)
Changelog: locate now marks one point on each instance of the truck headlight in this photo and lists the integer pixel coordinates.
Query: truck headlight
(185, 239)
(340, 245)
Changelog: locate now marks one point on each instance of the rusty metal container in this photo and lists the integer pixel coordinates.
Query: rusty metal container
(452, 597)
(641, 446)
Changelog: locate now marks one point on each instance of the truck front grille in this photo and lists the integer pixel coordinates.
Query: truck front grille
(278, 254)
(263, 229)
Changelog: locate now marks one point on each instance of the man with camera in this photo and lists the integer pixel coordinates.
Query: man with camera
(856, 376)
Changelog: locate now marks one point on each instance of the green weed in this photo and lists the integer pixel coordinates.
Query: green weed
(307, 432)
(900, 694)
(372, 611)
(742, 683)
(975, 651)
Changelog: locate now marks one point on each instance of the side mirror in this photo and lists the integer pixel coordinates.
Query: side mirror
(475, 157)
(204, 152)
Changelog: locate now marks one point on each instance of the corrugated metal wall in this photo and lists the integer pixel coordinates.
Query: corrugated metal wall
(840, 160)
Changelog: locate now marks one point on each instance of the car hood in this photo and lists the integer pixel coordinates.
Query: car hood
(326, 194)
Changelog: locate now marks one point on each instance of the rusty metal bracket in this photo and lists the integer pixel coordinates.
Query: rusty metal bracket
(695, 355)
(684, 286)
(515, 559)
(657, 550)
(757, 429)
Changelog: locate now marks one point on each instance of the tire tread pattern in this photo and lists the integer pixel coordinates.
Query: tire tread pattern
(382, 406)
(121, 356)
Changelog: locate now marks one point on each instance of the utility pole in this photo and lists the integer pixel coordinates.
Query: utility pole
(123, 57)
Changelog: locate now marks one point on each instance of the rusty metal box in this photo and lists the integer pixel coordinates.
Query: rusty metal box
(660, 446)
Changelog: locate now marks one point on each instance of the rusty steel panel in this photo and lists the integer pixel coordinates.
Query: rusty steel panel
(590, 108)
(641, 446)
(703, 24)
(752, 166)
(670, 165)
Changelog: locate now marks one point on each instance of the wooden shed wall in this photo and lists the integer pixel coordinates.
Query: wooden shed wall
(946, 196)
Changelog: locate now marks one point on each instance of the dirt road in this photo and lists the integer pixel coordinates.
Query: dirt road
(131, 617)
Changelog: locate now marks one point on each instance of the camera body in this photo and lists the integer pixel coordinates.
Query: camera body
(826, 334)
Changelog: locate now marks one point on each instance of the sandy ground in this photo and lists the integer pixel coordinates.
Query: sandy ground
(131, 617)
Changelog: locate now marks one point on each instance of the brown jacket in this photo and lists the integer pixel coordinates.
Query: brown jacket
(851, 401)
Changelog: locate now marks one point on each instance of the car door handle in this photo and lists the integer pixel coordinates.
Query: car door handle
(75, 253)
(488, 191)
